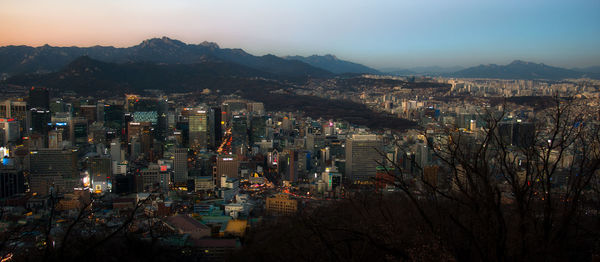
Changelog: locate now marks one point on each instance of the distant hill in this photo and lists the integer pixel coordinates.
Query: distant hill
(520, 70)
(25, 59)
(89, 76)
(333, 64)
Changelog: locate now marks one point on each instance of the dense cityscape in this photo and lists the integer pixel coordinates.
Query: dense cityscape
(197, 171)
(299, 131)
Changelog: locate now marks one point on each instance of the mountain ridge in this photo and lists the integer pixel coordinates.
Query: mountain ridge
(519, 69)
(333, 64)
(25, 59)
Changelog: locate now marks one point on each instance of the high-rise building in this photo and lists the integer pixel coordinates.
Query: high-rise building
(13, 109)
(38, 120)
(180, 165)
(362, 157)
(215, 124)
(100, 171)
(79, 131)
(281, 204)
(258, 129)
(239, 133)
(151, 177)
(56, 168)
(39, 97)
(198, 129)
(55, 138)
(227, 165)
(10, 129)
(11, 181)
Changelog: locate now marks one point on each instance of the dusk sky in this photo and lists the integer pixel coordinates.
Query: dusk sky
(376, 33)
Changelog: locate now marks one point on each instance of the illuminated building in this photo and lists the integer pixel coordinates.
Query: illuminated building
(100, 170)
(362, 157)
(198, 129)
(332, 178)
(55, 168)
(227, 165)
(239, 133)
(281, 204)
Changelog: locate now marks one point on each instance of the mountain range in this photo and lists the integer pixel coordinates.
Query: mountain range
(89, 76)
(333, 64)
(521, 70)
(517, 69)
(25, 59)
(16, 60)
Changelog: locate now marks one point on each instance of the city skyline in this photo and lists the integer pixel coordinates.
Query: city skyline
(380, 35)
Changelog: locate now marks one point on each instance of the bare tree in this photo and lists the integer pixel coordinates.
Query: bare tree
(513, 199)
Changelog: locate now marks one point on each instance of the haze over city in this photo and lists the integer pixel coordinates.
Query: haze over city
(379, 34)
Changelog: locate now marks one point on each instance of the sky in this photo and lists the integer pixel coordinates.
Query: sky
(377, 33)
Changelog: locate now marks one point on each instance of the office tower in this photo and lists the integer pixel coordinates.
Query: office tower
(136, 128)
(180, 165)
(100, 171)
(256, 108)
(90, 112)
(39, 97)
(258, 129)
(55, 138)
(239, 133)
(37, 121)
(523, 134)
(79, 131)
(12, 181)
(362, 157)
(10, 130)
(58, 106)
(115, 151)
(332, 178)
(198, 129)
(56, 168)
(135, 148)
(113, 116)
(215, 124)
(227, 165)
(281, 204)
(291, 165)
(151, 177)
(13, 109)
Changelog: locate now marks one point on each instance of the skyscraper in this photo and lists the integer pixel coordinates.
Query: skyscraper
(180, 167)
(227, 165)
(39, 97)
(55, 168)
(216, 133)
(198, 129)
(362, 157)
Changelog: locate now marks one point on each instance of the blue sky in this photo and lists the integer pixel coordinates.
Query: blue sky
(376, 33)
